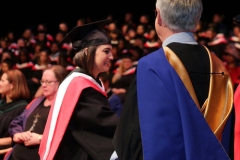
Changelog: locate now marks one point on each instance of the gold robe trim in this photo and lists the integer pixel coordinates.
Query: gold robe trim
(217, 107)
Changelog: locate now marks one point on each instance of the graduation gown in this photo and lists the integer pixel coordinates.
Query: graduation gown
(180, 120)
(18, 124)
(25, 68)
(8, 111)
(81, 124)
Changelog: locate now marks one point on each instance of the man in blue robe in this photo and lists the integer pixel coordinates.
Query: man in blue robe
(181, 95)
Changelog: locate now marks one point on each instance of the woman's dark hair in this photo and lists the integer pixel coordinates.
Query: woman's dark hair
(85, 59)
(9, 62)
(62, 59)
(25, 52)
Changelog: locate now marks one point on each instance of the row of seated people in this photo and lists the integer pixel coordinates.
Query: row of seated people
(21, 114)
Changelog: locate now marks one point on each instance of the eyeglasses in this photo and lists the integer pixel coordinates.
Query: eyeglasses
(47, 82)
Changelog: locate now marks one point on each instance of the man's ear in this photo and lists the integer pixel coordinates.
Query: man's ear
(158, 17)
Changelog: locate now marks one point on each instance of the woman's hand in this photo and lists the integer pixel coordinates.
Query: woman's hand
(4, 151)
(22, 137)
(119, 91)
(35, 139)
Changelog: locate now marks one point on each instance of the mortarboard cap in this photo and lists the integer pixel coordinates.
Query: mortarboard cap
(237, 19)
(86, 35)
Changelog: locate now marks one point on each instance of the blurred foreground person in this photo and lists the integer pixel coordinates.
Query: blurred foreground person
(237, 111)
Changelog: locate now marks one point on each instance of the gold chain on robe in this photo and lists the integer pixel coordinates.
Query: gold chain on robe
(217, 107)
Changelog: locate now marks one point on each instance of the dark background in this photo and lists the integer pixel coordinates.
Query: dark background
(18, 15)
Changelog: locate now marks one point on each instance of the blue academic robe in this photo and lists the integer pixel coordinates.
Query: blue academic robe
(171, 124)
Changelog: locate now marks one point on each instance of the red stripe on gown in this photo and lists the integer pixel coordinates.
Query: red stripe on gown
(68, 104)
(237, 123)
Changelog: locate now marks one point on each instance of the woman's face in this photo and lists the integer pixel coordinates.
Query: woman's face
(49, 83)
(3, 44)
(21, 43)
(43, 56)
(126, 63)
(59, 37)
(4, 67)
(5, 86)
(230, 51)
(103, 57)
(5, 55)
(23, 57)
(140, 30)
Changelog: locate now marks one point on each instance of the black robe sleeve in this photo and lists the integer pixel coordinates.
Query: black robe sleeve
(90, 130)
(127, 139)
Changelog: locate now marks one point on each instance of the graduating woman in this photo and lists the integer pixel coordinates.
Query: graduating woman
(81, 123)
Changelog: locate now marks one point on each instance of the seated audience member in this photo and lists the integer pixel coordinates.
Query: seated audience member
(24, 63)
(115, 100)
(15, 97)
(124, 67)
(54, 52)
(7, 54)
(37, 71)
(7, 64)
(123, 75)
(136, 54)
(62, 60)
(231, 60)
(152, 42)
(26, 129)
(35, 55)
